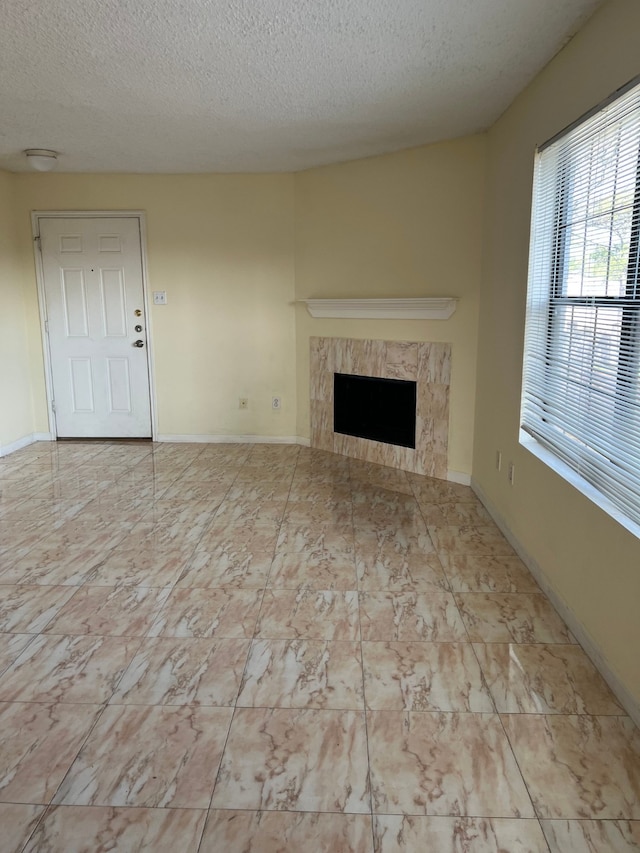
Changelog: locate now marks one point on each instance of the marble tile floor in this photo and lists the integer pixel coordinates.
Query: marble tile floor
(267, 648)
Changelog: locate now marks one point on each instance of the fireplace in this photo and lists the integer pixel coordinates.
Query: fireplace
(427, 365)
(377, 409)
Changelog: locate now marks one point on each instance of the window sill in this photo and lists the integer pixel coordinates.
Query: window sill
(563, 470)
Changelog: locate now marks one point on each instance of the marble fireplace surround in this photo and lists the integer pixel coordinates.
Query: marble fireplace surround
(427, 364)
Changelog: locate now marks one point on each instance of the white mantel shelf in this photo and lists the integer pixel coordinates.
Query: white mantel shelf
(426, 308)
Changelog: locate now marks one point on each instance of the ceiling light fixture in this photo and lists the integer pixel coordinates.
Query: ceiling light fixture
(41, 159)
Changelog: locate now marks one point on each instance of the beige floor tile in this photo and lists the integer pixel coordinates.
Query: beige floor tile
(109, 611)
(383, 525)
(310, 537)
(149, 756)
(27, 609)
(217, 477)
(326, 571)
(206, 570)
(328, 494)
(410, 616)
(487, 574)
(303, 674)
(277, 832)
(171, 671)
(161, 536)
(423, 677)
(592, 836)
(443, 764)
(511, 618)
(17, 822)
(404, 834)
(259, 472)
(309, 615)
(455, 514)
(373, 501)
(221, 613)
(431, 490)
(578, 766)
(11, 646)
(401, 574)
(72, 567)
(477, 541)
(265, 514)
(68, 669)
(38, 743)
(392, 543)
(145, 567)
(295, 760)
(231, 554)
(139, 567)
(263, 491)
(96, 829)
(182, 520)
(240, 537)
(315, 513)
(194, 490)
(544, 679)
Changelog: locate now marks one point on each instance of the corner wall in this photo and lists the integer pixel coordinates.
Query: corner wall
(16, 411)
(405, 224)
(589, 561)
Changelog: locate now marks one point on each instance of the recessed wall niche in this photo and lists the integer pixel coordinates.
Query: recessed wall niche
(427, 364)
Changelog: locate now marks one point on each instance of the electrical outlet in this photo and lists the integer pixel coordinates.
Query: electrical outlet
(499, 460)
(243, 403)
(512, 473)
(275, 403)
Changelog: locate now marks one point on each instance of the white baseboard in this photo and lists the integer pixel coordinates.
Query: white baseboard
(591, 648)
(25, 441)
(234, 439)
(459, 477)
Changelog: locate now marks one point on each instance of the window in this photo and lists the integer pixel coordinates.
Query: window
(581, 378)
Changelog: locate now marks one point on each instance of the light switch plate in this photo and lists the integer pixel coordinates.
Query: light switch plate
(159, 297)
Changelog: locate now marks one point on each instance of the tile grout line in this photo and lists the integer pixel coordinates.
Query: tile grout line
(240, 685)
(491, 697)
(364, 689)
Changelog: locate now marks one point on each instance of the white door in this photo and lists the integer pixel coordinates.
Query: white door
(96, 327)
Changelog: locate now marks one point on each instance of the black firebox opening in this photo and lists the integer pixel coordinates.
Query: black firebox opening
(378, 409)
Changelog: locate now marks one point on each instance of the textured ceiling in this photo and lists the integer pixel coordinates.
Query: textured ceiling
(261, 85)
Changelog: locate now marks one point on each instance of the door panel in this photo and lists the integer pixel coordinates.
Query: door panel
(74, 301)
(114, 306)
(93, 287)
(81, 386)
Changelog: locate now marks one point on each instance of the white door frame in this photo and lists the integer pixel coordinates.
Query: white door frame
(36, 216)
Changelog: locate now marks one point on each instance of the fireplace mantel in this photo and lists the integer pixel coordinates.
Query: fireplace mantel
(423, 308)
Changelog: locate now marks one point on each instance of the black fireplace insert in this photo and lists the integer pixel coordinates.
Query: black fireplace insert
(377, 409)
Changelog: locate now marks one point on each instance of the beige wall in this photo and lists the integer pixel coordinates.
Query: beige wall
(406, 224)
(16, 411)
(591, 562)
(222, 248)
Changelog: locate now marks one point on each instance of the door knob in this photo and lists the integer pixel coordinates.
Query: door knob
(138, 343)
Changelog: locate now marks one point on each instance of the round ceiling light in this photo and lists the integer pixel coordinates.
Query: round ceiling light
(41, 159)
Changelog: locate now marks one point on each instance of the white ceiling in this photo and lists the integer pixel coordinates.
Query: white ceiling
(261, 85)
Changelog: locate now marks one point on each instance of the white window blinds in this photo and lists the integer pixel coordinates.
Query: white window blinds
(581, 379)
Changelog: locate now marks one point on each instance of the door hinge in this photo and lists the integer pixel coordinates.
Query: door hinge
(38, 242)
(46, 327)
(53, 405)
